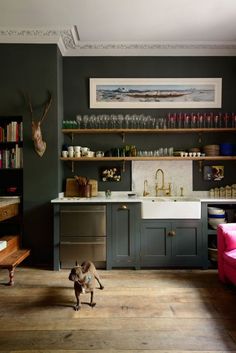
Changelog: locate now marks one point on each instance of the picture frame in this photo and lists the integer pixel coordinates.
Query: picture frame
(213, 172)
(155, 93)
(110, 174)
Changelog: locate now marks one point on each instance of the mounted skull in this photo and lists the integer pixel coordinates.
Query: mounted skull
(39, 144)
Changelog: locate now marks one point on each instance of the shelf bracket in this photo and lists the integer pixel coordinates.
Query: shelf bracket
(199, 137)
(123, 137)
(123, 166)
(72, 166)
(200, 166)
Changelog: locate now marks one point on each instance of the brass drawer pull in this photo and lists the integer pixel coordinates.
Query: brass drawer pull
(172, 233)
(123, 207)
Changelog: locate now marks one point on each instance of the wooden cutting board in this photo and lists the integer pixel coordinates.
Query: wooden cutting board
(72, 188)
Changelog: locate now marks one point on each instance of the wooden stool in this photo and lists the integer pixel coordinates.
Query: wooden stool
(12, 255)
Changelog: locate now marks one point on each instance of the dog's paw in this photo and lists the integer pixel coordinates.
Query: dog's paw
(92, 305)
(101, 287)
(77, 307)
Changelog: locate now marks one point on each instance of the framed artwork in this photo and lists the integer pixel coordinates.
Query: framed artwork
(110, 174)
(155, 93)
(214, 172)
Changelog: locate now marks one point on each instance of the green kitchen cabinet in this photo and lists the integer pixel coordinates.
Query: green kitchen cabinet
(124, 240)
(173, 243)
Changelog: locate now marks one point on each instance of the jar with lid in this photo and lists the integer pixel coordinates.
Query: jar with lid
(222, 192)
(133, 151)
(233, 189)
(217, 192)
(211, 193)
(228, 193)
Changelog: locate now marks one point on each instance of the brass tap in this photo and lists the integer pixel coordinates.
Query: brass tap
(145, 188)
(167, 190)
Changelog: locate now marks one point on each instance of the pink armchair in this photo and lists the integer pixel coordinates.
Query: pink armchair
(226, 244)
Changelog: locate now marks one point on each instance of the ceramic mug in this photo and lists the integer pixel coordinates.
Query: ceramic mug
(84, 151)
(64, 154)
(70, 153)
(100, 154)
(90, 154)
(77, 148)
(77, 154)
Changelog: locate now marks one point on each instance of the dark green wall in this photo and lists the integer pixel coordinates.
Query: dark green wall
(38, 68)
(34, 69)
(78, 70)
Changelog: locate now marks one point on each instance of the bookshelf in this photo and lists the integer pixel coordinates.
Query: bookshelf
(11, 155)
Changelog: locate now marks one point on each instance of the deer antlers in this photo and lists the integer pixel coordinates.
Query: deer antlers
(39, 144)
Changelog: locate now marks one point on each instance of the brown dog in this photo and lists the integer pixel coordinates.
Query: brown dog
(84, 277)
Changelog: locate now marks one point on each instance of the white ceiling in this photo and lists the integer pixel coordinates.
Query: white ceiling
(123, 27)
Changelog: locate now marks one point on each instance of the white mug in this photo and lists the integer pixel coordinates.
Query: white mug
(77, 148)
(90, 154)
(70, 153)
(84, 151)
(99, 154)
(77, 154)
(71, 148)
(64, 154)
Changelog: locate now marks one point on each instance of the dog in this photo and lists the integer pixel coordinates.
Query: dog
(84, 277)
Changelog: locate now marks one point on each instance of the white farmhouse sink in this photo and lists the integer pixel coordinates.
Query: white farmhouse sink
(171, 208)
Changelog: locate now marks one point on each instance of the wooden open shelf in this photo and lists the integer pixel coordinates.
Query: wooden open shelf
(144, 131)
(165, 158)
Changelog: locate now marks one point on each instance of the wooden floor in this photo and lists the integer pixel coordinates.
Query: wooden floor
(168, 311)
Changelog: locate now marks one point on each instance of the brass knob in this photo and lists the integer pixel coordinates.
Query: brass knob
(172, 233)
(123, 207)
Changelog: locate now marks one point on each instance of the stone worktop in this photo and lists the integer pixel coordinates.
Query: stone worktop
(131, 197)
(8, 200)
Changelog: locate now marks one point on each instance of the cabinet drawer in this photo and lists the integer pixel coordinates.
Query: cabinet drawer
(9, 211)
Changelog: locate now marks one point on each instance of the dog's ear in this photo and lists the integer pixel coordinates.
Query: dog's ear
(85, 266)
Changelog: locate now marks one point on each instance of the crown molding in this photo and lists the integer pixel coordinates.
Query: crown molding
(69, 44)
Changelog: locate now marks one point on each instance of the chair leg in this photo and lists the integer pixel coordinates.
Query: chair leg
(11, 276)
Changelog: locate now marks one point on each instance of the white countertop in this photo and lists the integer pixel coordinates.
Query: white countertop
(8, 200)
(123, 197)
(115, 197)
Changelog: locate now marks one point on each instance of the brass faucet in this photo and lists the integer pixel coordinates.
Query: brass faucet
(145, 188)
(162, 188)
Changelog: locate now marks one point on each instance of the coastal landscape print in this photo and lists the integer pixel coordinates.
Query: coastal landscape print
(155, 93)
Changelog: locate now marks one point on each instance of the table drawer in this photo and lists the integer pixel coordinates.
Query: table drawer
(9, 211)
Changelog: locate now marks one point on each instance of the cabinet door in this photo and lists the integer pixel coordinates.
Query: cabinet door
(155, 244)
(125, 229)
(187, 249)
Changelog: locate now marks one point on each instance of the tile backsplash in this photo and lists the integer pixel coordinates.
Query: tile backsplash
(178, 173)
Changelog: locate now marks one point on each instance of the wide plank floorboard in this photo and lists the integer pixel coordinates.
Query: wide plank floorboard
(163, 311)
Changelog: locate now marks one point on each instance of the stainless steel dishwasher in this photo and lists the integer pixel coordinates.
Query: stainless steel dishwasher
(82, 235)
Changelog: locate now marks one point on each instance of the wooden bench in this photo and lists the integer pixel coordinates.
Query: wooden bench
(12, 255)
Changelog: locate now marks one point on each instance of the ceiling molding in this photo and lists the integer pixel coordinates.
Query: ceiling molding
(70, 45)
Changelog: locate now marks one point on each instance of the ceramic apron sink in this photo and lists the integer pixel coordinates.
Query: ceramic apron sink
(171, 208)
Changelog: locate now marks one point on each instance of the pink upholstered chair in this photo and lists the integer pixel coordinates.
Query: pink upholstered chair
(226, 244)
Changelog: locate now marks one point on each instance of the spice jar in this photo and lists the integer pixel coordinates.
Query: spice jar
(228, 193)
(217, 192)
(133, 151)
(233, 191)
(222, 192)
(211, 192)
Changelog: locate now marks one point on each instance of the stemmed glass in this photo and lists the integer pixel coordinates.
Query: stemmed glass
(79, 121)
(85, 121)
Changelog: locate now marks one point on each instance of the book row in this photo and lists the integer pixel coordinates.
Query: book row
(11, 158)
(12, 132)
